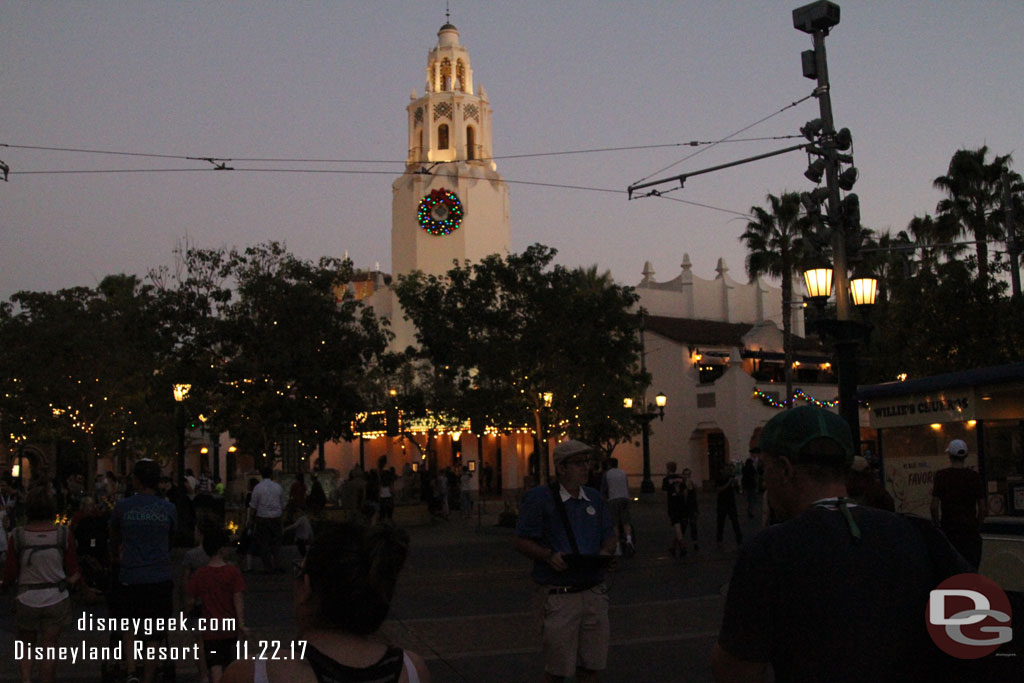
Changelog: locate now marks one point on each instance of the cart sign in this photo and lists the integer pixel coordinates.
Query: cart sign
(912, 410)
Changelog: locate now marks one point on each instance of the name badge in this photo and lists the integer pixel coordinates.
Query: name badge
(591, 510)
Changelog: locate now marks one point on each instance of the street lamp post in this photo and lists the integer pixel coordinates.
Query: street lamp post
(846, 335)
(843, 215)
(645, 418)
(180, 394)
(546, 398)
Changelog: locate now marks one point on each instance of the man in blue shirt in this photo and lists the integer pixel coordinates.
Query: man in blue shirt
(566, 529)
(141, 529)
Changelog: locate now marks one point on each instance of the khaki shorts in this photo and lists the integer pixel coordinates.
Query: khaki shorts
(46, 618)
(575, 630)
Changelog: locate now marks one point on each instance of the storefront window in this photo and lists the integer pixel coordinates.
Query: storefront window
(1004, 449)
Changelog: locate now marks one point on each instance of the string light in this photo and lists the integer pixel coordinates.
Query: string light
(797, 394)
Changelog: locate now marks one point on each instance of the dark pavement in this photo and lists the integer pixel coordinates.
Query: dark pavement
(464, 602)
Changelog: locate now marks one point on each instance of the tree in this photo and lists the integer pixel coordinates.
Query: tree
(295, 350)
(926, 322)
(77, 368)
(500, 333)
(775, 242)
(973, 204)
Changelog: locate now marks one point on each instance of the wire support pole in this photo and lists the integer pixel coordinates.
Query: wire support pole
(681, 178)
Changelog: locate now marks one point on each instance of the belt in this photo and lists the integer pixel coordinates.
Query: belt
(562, 590)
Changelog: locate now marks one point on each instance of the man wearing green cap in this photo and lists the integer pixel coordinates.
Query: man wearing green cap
(836, 591)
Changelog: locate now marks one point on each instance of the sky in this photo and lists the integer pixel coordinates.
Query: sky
(914, 81)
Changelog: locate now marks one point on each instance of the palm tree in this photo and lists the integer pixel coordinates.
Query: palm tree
(973, 198)
(934, 237)
(890, 259)
(775, 240)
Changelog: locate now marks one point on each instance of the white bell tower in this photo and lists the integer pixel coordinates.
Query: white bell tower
(450, 204)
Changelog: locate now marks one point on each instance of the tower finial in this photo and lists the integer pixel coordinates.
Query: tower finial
(447, 13)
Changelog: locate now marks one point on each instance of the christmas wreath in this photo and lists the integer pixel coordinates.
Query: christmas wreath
(440, 212)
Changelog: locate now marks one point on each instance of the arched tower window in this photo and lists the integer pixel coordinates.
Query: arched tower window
(419, 143)
(442, 136)
(470, 143)
(460, 74)
(433, 76)
(446, 74)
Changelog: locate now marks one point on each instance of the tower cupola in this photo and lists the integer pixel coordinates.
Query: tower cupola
(452, 120)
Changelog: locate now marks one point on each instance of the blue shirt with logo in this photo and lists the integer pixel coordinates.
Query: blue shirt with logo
(145, 524)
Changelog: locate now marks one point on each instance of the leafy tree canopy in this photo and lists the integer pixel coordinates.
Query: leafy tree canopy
(500, 333)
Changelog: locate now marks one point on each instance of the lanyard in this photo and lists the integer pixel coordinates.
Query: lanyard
(843, 507)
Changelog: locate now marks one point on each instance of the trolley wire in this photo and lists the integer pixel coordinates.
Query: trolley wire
(320, 160)
(726, 138)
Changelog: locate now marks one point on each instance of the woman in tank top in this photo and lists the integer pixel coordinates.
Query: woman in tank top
(343, 592)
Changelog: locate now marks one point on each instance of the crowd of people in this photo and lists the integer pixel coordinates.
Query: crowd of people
(805, 597)
(116, 546)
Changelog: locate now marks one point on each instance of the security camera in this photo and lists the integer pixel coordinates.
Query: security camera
(817, 16)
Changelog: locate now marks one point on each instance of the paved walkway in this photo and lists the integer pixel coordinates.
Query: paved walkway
(464, 603)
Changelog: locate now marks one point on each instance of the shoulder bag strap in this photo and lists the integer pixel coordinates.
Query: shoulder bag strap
(560, 506)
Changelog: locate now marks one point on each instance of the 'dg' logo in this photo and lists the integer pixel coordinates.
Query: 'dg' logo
(964, 615)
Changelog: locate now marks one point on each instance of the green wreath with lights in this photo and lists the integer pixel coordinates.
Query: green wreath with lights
(440, 212)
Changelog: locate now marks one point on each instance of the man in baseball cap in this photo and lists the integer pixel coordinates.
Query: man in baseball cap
(958, 502)
(835, 591)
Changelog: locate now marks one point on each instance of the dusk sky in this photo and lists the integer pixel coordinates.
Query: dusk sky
(914, 80)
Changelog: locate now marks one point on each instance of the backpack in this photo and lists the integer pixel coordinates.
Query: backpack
(20, 548)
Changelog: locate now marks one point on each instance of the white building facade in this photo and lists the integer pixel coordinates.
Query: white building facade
(714, 348)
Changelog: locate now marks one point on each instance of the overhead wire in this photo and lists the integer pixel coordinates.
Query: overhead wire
(661, 194)
(315, 160)
(510, 181)
(726, 138)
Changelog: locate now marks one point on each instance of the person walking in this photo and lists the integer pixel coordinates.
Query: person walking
(142, 529)
(748, 480)
(42, 564)
(615, 487)
(303, 529)
(835, 591)
(691, 506)
(674, 486)
(264, 517)
(296, 494)
(219, 589)
(566, 529)
(726, 487)
(958, 503)
(466, 485)
(441, 492)
(245, 539)
(387, 495)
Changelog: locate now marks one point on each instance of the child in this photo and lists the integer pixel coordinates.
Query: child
(219, 586)
(303, 530)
